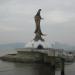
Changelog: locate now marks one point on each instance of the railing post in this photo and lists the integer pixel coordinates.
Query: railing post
(62, 66)
(53, 64)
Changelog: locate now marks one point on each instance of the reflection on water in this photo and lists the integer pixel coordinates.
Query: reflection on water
(7, 68)
(69, 69)
(33, 69)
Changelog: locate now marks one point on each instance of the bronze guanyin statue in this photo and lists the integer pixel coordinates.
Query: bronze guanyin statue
(38, 32)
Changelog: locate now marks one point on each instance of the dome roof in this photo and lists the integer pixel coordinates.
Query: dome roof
(36, 44)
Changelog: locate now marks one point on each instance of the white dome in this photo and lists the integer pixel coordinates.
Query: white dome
(35, 44)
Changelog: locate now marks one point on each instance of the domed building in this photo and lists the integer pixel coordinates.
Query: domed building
(37, 44)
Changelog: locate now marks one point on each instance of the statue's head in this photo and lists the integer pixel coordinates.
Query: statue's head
(39, 10)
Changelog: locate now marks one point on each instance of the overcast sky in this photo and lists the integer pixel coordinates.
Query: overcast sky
(17, 20)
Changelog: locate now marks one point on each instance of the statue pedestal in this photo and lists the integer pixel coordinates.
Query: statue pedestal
(38, 37)
(36, 44)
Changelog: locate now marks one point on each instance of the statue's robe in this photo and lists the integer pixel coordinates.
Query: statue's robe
(37, 21)
(38, 28)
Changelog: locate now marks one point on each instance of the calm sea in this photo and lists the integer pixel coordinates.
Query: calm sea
(9, 68)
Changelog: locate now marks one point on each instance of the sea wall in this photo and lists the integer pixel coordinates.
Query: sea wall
(24, 56)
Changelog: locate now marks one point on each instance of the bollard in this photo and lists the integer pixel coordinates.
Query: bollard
(62, 66)
(53, 69)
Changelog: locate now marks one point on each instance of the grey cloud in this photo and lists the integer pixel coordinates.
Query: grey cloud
(58, 23)
(4, 1)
